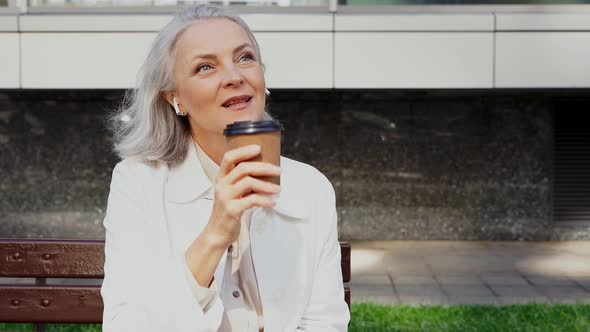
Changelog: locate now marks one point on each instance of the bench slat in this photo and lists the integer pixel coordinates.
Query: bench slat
(51, 258)
(50, 304)
(75, 259)
(66, 304)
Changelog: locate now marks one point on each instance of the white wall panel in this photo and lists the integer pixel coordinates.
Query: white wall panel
(415, 22)
(153, 23)
(542, 59)
(87, 22)
(297, 60)
(288, 22)
(82, 60)
(542, 21)
(105, 60)
(9, 61)
(8, 23)
(413, 60)
(400, 50)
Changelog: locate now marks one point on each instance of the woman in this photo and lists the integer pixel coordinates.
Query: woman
(194, 241)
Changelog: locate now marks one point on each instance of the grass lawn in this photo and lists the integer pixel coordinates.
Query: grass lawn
(371, 317)
(466, 318)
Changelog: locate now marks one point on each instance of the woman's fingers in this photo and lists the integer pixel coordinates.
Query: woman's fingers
(232, 157)
(249, 185)
(235, 208)
(253, 200)
(237, 188)
(252, 168)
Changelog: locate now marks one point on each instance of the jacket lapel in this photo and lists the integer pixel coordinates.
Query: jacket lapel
(189, 199)
(188, 180)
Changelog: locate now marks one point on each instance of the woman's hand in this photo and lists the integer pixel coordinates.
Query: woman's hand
(237, 189)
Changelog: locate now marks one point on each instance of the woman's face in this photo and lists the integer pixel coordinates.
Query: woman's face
(216, 61)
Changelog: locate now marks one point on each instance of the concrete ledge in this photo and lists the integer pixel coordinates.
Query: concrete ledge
(290, 63)
(8, 23)
(92, 23)
(9, 60)
(289, 22)
(465, 9)
(154, 22)
(542, 21)
(66, 60)
(413, 60)
(112, 60)
(414, 22)
(422, 49)
(542, 59)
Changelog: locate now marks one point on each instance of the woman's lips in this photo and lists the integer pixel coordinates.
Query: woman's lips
(239, 105)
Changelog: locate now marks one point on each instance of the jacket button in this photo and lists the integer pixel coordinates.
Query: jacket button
(236, 294)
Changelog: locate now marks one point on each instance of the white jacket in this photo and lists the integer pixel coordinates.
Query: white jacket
(294, 246)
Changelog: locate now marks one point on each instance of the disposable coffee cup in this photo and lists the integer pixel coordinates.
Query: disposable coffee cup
(266, 134)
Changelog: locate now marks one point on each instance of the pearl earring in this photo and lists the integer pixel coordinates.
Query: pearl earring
(177, 109)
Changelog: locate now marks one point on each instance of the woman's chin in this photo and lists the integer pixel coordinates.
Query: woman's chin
(245, 115)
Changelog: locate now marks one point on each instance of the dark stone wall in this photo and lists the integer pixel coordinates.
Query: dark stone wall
(405, 164)
(56, 164)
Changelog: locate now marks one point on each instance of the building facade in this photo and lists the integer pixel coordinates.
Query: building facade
(431, 121)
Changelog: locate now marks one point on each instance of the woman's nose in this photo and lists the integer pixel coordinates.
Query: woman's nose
(233, 76)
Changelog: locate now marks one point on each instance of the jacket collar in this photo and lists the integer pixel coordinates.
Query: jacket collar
(188, 181)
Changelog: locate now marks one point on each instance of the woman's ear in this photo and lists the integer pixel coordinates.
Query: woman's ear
(169, 96)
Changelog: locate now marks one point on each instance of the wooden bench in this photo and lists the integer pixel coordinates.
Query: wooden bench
(40, 303)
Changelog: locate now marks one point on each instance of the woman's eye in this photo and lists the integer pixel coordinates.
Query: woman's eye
(247, 57)
(203, 67)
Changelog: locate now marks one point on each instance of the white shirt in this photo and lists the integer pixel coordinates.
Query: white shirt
(243, 310)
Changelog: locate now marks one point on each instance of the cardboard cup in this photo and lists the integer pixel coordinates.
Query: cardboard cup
(266, 134)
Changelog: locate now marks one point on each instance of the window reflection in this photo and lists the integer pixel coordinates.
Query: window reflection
(458, 2)
(170, 3)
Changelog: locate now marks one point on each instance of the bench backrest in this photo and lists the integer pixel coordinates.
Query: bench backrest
(38, 302)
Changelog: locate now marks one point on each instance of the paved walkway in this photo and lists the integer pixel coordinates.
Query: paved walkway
(460, 272)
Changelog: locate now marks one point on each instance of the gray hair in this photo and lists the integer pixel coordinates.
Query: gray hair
(145, 126)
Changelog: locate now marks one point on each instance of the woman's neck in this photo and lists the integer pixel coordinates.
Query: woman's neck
(214, 146)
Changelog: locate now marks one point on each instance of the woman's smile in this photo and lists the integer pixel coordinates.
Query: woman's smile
(237, 103)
